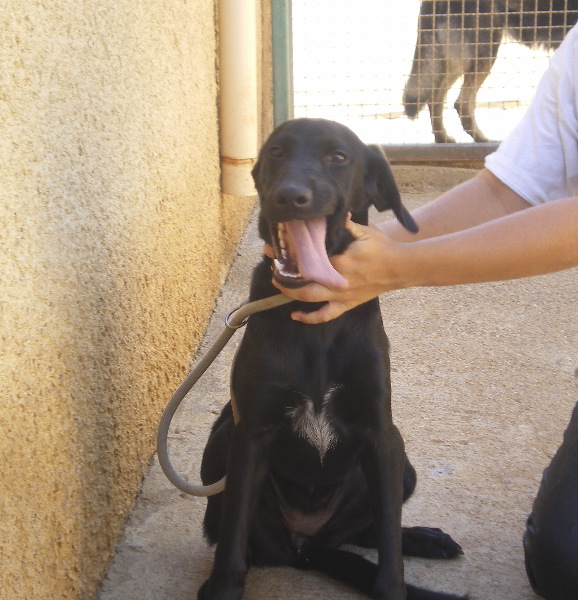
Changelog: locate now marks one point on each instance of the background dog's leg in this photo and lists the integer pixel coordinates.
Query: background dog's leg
(465, 105)
(436, 109)
(485, 52)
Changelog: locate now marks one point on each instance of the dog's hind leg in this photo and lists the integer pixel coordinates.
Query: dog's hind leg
(424, 542)
(482, 50)
(433, 69)
(465, 105)
(436, 110)
(429, 542)
(474, 78)
(430, 79)
(358, 572)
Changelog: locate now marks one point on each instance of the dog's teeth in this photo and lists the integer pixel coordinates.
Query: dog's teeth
(281, 240)
(281, 232)
(281, 269)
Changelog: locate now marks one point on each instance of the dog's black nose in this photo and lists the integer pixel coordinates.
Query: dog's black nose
(294, 196)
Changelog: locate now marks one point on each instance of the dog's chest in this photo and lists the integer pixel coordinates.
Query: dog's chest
(314, 421)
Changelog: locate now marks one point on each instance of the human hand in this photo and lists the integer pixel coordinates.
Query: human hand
(365, 267)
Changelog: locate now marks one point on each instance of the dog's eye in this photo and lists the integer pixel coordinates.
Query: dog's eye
(276, 152)
(338, 157)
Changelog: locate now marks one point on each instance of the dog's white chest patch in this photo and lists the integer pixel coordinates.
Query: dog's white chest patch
(314, 425)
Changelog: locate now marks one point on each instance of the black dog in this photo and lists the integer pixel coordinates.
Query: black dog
(315, 460)
(462, 37)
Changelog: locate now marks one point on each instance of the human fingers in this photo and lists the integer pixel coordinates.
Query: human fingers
(328, 312)
(357, 230)
(312, 292)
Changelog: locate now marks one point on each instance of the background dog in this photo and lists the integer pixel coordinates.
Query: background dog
(462, 37)
(315, 460)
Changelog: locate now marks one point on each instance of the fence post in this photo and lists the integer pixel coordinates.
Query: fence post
(282, 61)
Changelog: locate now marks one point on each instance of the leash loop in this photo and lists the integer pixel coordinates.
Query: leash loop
(236, 319)
(228, 319)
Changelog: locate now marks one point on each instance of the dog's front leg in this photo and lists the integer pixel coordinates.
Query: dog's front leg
(383, 466)
(247, 469)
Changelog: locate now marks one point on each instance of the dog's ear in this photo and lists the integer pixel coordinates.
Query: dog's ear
(382, 190)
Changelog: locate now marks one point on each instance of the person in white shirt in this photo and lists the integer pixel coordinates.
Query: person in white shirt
(518, 217)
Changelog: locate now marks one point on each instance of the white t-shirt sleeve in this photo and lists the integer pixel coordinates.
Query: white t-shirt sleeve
(539, 158)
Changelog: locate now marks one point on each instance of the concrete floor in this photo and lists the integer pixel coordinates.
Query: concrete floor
(482, 391)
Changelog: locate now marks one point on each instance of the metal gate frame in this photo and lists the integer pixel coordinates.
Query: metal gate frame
(456, 155)
(470, 155)
(282, 43)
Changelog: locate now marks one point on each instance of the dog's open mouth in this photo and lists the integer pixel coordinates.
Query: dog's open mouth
(300, 254)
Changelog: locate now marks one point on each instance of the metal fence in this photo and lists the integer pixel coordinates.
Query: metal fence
(353, 60)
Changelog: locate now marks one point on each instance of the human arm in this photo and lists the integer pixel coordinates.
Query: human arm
(478, 200)
(479, 231)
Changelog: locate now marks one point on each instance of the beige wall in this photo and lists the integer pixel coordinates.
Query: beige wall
(114, 242)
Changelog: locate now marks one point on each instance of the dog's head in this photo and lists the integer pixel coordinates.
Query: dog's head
(309, 175)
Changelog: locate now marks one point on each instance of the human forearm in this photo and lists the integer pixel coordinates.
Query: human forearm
(478, 200)
(535, 241)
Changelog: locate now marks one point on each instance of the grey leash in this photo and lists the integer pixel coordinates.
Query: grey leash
(235, 320)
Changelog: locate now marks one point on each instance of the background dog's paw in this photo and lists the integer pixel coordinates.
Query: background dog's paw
(429, 542)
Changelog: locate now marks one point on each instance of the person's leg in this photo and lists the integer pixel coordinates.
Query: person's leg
(551, 538)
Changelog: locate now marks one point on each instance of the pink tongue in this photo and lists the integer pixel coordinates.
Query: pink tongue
(307, 240)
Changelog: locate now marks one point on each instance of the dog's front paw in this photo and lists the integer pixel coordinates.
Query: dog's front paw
(202, 593)
(220, 589)
(429, 542)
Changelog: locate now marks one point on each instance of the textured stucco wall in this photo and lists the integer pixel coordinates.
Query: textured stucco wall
(114, 242)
